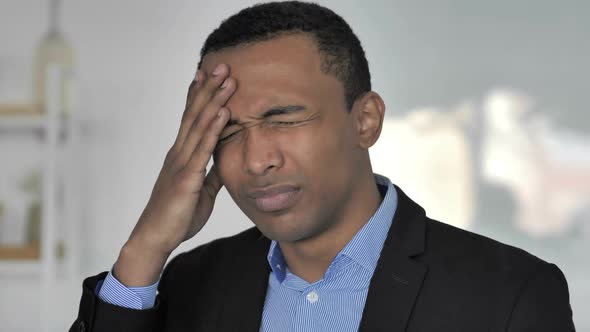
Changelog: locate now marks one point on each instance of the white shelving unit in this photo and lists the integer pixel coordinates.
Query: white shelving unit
(59, 139)
(56, 135)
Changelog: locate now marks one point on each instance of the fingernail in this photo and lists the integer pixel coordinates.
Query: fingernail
(218, 70)
(224, 83)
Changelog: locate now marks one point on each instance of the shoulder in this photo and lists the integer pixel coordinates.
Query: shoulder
(218, 251)
(490, 280)
(215, 257)
(462, 262)
(446, 244)
(222, 246)
(196, 280)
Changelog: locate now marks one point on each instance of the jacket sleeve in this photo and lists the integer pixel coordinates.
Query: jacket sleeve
(543, 303)
(98, 316)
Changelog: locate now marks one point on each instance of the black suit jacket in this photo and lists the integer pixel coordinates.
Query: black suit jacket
(430, 277)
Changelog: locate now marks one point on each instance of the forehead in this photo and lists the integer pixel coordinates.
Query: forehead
(286, 50)
(279, 70)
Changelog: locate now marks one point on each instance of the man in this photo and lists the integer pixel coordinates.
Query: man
(282, 102)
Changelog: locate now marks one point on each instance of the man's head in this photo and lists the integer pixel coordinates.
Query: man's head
(341, 51)
(290, 135)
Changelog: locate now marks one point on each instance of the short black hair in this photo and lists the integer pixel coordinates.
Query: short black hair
(341, 52)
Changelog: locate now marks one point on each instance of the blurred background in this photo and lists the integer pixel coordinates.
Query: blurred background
(487, 126)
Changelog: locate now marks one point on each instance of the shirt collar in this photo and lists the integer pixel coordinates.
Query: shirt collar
(365, 247)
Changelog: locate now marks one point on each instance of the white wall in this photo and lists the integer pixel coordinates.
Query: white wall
(135, 60)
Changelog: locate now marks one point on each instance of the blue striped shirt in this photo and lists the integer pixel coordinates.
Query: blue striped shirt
(333, 303)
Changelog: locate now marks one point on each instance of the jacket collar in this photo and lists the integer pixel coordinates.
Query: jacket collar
(398, 278)
(394, 287)
(244, 296)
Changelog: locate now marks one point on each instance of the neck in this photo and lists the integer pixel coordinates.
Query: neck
(310, 258)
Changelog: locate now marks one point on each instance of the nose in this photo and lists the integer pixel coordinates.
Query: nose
(261, 152)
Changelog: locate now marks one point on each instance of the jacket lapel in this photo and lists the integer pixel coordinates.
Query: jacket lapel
(246, 292)
(393, 291)
(398, 278)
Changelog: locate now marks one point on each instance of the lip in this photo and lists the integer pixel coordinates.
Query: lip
(275, 198)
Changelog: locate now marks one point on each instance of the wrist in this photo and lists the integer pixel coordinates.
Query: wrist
(139, 266)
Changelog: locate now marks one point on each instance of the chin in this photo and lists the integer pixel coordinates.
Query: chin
(283, 237)
(289, 225)
(279, 233)
(287, 230)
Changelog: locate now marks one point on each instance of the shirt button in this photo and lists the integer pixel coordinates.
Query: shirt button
(312, 297)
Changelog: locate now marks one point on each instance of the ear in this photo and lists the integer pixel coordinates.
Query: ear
(367, 113)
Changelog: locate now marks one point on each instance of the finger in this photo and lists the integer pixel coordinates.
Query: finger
(212, 182)
(202, 153)
(212, 82)
(203, 93)
(200, 126)
(193, 88)
(185, 122)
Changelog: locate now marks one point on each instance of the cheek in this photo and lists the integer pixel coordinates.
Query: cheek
(316, 150)
(227, 167)
(330, 142)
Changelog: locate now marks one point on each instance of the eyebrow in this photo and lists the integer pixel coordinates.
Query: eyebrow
(275, 110)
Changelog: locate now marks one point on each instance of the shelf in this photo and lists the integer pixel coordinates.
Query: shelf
(13, 122)
(20, 260)
(25, 261)
(20, 110)
(31, 123)
(27, 252)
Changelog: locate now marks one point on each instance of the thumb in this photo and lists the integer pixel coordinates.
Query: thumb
(213, 182)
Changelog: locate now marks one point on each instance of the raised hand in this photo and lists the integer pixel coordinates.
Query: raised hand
(184, 194)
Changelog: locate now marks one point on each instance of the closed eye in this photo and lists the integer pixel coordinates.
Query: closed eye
(285, 123)
(274, 123)
(225, 138)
